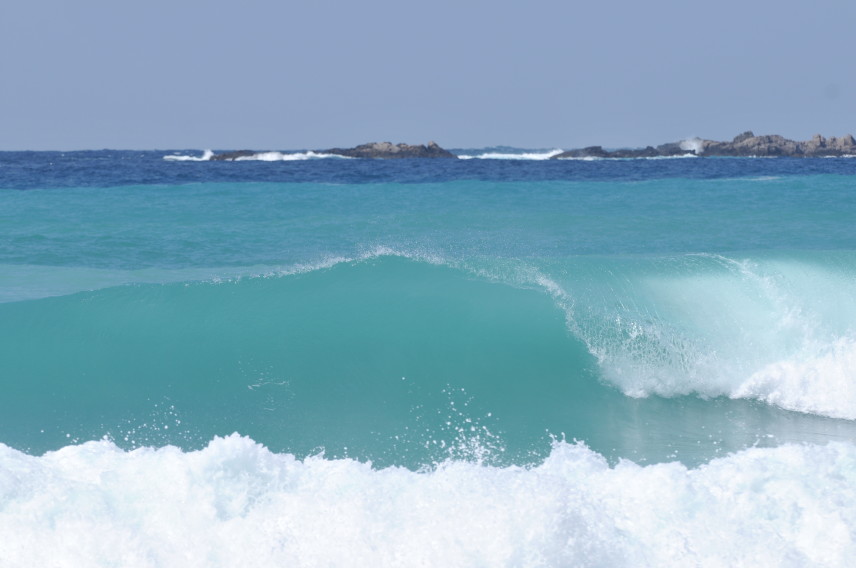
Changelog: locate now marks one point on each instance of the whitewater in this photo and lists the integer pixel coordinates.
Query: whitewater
(497, 361)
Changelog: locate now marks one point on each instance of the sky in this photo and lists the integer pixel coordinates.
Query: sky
(279, 75)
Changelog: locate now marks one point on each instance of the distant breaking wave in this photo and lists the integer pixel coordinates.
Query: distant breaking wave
(206, 155)
(258, 157)
(598, 158)
(509, 154)
(478, 154)
(285, 156)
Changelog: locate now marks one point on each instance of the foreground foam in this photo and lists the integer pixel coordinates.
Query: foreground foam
(235, 503)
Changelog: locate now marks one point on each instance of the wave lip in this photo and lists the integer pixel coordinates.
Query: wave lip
(234, 503)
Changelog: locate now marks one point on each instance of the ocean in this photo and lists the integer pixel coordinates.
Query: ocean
(300, 360)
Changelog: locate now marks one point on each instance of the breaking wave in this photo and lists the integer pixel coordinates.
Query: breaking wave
(511, 154)
(207, 155)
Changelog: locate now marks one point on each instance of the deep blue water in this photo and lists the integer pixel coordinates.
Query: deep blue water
(108, 168)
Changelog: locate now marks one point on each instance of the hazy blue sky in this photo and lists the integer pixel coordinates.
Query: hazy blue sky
(286, 75)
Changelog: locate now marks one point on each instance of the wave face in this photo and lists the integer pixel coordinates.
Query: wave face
(385, 359)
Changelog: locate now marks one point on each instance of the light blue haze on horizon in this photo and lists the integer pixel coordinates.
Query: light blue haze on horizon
(284, 75)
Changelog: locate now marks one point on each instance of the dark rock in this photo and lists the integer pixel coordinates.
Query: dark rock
(387, 150)
(774, 145)
(647, 152)
(673, 149)
(741, 137)
(588, 152)
(820, 146)
(371, 150)
(231, 156)
(748, 145)
(599, 152)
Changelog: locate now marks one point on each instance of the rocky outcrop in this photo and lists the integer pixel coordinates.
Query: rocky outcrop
(746, 144)
(387, 150)
(382, 150)
(599, 152)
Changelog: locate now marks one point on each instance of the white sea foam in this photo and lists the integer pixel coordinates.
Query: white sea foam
(678, 157)
(235, 503)
(206, 155)
(539, 155)
(258, 157)
(596, 158)
(822, 382)
(586, 158)
(286, 156)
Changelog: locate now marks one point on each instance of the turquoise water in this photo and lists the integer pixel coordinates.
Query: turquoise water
(691, 326)
(401, 323)
(222, 224)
